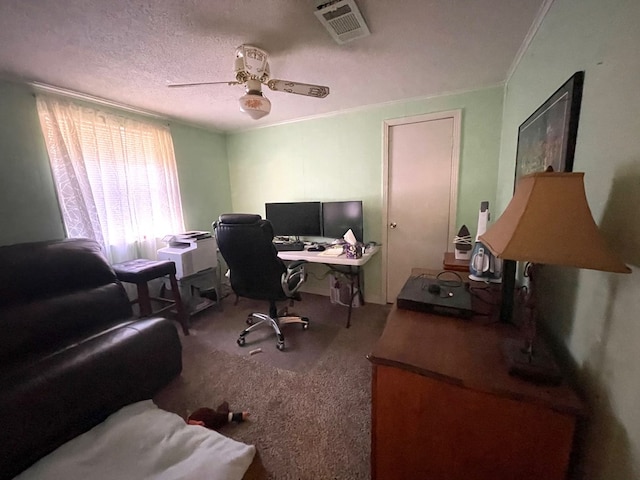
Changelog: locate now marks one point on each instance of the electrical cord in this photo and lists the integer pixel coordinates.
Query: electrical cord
(442, 287)
(319, 277)
(476, 292)
(449, 283)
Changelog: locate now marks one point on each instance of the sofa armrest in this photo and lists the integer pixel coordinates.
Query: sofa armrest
(45, 404)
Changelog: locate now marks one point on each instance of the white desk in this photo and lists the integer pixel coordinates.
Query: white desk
(352, 272)
(316, 257)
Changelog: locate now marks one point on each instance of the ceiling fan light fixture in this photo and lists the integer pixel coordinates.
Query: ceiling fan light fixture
(255, 105)
(251, 69)
(252, 60)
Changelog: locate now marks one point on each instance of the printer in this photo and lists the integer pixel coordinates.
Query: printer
(192, 252)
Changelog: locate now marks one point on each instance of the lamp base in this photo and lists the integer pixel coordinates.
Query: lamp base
(539, 367)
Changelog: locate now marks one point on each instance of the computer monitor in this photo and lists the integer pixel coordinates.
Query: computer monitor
(338, 217)
(294, 219)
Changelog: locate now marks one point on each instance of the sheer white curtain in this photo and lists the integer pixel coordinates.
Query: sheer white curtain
(116, 178)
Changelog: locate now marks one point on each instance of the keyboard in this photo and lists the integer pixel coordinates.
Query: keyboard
(289, 246)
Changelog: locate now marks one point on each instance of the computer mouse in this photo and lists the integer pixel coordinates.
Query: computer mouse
(316, 248)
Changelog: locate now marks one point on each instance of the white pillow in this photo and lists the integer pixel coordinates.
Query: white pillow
(141, 441)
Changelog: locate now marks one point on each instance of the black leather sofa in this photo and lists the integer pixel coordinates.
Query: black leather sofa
(70, 351)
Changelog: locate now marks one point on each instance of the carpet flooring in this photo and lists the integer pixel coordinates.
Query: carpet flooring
(310, 404)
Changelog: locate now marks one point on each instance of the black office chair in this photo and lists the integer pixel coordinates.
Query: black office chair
(246, 244)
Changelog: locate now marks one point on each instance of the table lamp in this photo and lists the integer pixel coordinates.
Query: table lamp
(548, 221)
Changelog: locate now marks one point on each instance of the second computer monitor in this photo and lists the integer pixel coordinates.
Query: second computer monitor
(338, 217)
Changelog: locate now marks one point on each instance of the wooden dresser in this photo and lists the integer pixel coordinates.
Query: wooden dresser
(444, 406)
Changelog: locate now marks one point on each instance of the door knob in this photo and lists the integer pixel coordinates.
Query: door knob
(393, 225)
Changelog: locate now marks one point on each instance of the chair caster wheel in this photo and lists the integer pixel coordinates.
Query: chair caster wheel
(241, 341)
(280, 346)
(249, 320)
(305, 326)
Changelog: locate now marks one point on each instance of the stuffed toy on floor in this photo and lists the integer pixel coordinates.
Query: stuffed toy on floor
(214, 419)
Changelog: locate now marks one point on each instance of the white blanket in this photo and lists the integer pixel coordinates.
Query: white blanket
(141, 441)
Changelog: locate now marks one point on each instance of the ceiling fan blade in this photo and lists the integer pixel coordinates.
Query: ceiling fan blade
(298, 88)
(179, 85)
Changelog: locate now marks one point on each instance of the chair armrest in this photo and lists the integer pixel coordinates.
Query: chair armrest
(294, 277)
(295, 264)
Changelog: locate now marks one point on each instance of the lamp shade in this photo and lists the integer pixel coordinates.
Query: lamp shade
(254, 104)
(548, 221)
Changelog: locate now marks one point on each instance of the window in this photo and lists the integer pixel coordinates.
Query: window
(116, 178)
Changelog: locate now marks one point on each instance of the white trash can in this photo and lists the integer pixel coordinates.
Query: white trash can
(340, 291)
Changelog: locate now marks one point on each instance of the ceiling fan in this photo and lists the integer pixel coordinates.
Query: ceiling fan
(251, 67)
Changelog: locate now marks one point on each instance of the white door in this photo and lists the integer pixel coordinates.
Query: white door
(421, 177)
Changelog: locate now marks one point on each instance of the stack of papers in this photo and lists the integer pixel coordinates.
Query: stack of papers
(332, 252)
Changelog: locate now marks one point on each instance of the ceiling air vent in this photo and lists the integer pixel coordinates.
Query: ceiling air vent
(342, 19)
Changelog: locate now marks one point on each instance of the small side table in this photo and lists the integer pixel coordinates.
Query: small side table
(449, 262)
(141, 271)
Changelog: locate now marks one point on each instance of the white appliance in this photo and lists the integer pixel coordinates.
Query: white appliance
(192, 252)
(484, 266)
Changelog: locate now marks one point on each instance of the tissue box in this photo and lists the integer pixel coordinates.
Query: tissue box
(352, 251)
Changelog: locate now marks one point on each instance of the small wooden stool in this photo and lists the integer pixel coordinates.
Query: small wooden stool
(141, 271)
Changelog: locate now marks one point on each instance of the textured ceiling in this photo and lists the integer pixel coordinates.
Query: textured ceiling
(128, 51)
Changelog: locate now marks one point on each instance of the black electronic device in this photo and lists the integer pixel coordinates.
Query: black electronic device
(317, 248)
(294, 219)
(338, 217)
(289, 246)
(425, 294)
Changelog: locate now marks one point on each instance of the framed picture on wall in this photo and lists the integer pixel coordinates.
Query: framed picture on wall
(548, 137)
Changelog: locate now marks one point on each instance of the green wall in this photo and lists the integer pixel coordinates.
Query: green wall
(593, 316)
(340, 157)
(203, 171)
(28, 204)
